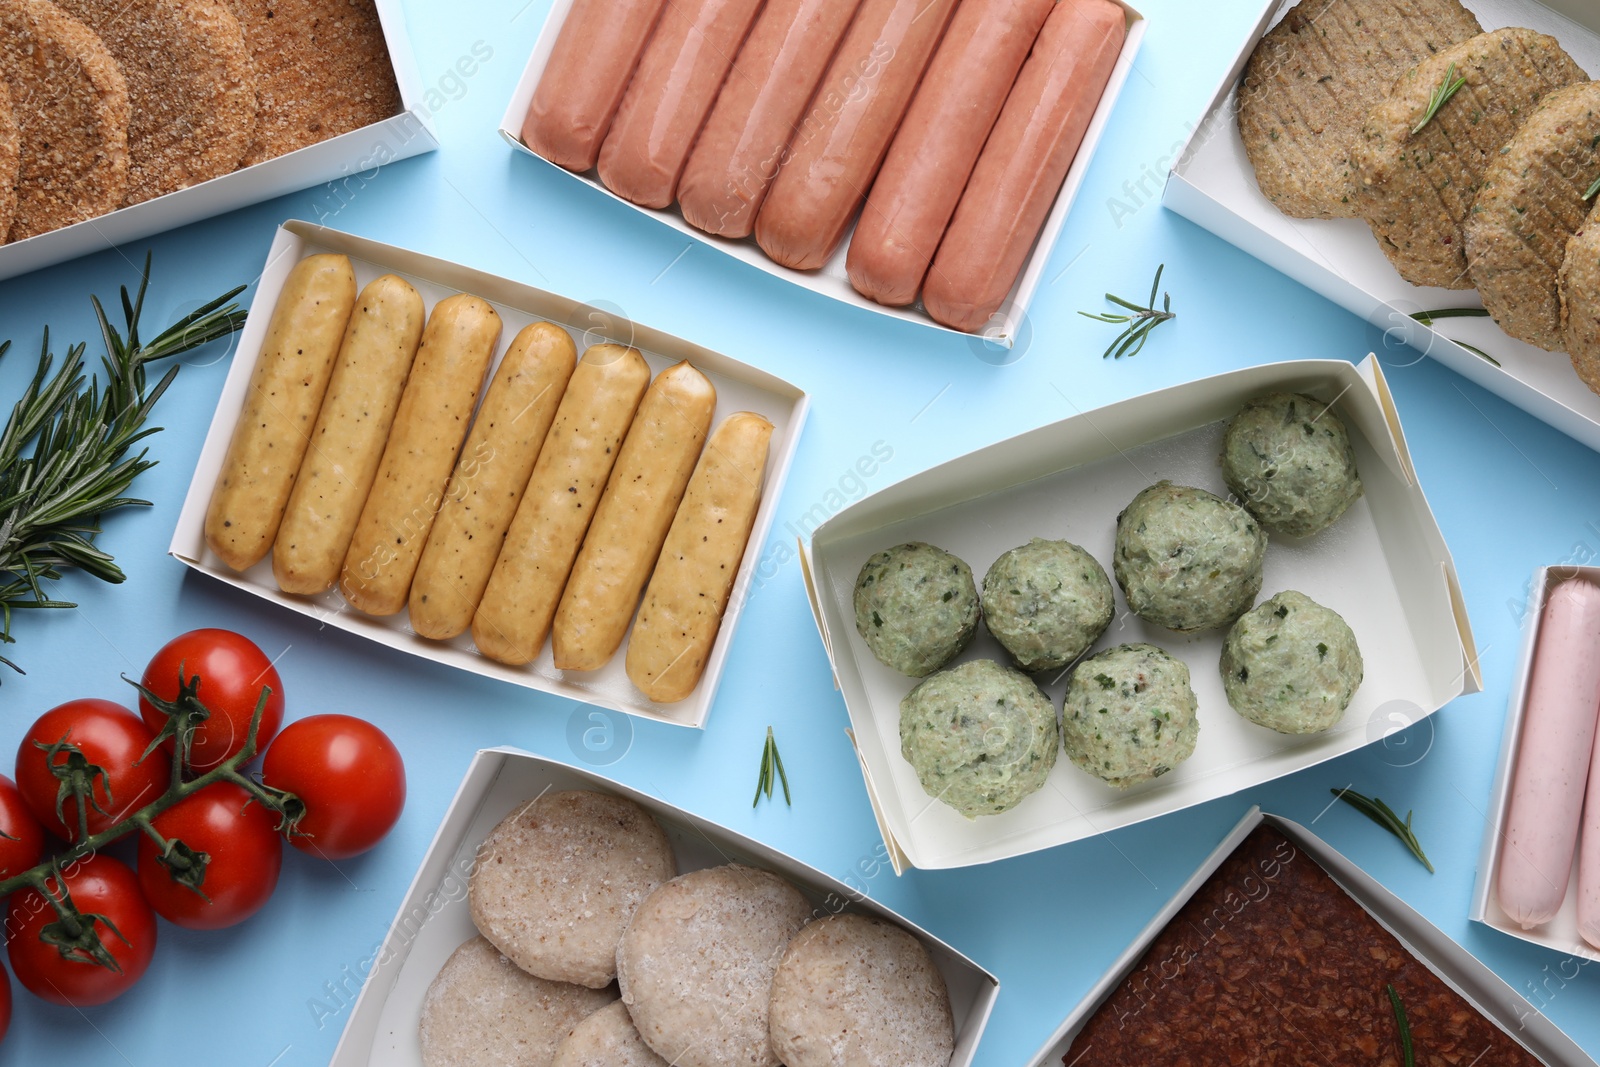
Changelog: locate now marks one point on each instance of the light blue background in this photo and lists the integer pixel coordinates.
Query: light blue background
(1510, 494)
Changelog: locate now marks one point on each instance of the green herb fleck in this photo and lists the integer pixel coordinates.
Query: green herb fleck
(1106, 681)
(1322, 650)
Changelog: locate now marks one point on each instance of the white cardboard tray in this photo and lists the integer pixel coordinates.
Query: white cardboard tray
(1560, 933)
(740, 387)
(346, 162)
(434, 917)
(1384, 566)
(1459, 969)
(830, 279)
(1213, 184)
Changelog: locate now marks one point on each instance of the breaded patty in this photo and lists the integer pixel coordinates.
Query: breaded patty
(322, 69)
(1530, 206)
(10, 157)
(190, 84)
(1417, 186)
(1580, 298)
(1311, 81)
(71, 107)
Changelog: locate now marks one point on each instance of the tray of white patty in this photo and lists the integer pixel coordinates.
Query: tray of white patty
(562, 919)
(1452, 167)
(1137, 609)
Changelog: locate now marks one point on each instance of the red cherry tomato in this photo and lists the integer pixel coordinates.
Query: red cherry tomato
(350, 776)
(22, 845)
(110, 737)
(99, 885)
(232, 671)
(243, 850)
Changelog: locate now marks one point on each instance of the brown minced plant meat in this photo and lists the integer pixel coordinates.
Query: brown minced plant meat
(1529, 207)
(1312, 80)
(1417, 188)
(1580, 300)
(322, 69)
(71, 106)
(10, 158)
(190, 83)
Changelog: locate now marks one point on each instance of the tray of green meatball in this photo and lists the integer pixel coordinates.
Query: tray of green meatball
(1137, 609)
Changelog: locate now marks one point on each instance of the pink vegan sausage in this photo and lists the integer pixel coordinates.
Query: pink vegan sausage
(595, 53)
(1589, 861)
(937, 144)
(1558, 730)
(760, 107)
(836, 152)
(679, 75)
(1022, 165)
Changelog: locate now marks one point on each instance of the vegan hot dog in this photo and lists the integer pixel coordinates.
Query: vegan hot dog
(937, 144)
(489, 480)
(679, 74)
(1558, 731)
(836, 151)
(286, 387)
(429, 426)
(525, 586)
(688, 593)
(758, 111)
(347, 442)
(1023, 163)
(632, 518)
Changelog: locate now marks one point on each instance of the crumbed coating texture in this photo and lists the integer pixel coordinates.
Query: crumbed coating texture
(1291, 665)
(1046, 602)
(10, 158)
(557, 880)
(1580, 299)
(916, 607)
(483, 1011)
(1129, 714)
(606, 1039)
(1287, 457)
(191, 88)
(1312, 79)
(1187, 559)
(322, 69)
(1529, 207)
(696, 964)
(70, 103)
(1417, 186)
(854, 991)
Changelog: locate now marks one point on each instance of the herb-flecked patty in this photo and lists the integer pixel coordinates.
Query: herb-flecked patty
(916, 607)
(1287, 456)
(1047, 602)
(1187, 559)
(980, 736)
(1291, 664)
(1129, 714)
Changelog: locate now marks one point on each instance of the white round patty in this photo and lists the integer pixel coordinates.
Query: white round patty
(1291, 664)
(606, 1039)
(696, 963)
(1129, 714)
(482, 1010)
(916, 607)
(557, 880)
(854, 991)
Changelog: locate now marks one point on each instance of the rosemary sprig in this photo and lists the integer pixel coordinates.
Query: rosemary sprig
(1594, 190)
(1384, 816)
(81, 431)
(770, 762)
(1427, 319)
(1441, 95)
(1403, 1025)
(1140, 322)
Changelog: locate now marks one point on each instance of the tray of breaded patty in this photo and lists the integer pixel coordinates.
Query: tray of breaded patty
(1435, 172)
(561, 917)
(122, 119)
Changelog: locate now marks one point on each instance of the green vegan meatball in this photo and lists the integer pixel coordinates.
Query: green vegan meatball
(1288, 458)
(1291, 664)
(1047, 602)
(1129, 714)
(980, 736)
(916, 607)
(1186, 559)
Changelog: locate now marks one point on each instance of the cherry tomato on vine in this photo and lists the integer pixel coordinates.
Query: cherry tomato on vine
(22, 845)
(350, 777)
(232, 670)
(243, 850)
(109, 737)
(100, 886)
